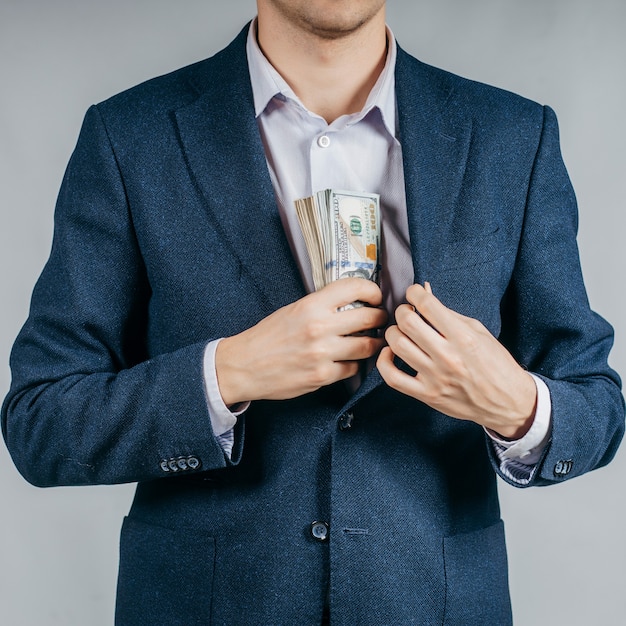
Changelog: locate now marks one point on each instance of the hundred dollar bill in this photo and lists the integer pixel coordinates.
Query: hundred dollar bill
(342, 234)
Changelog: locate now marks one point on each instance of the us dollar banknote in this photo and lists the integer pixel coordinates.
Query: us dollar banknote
(341, 231)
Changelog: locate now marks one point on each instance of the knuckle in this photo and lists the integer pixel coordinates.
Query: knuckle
(391, 333)
(469, 341)
(402, 312)
(413, 292)
(454, 365)
(370, 317)
(392, 376)
(316, 353)
(380, 316)
(364, 348)
(358, 287)
(476, 325)
(412, 321)
(403, 343)
(320, 376)
(371, 347)
(313, 330)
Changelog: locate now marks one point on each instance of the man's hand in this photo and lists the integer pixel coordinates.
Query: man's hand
(303, 346)
(462, 370)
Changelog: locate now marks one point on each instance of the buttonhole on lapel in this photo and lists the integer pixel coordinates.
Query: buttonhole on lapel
(448, 137)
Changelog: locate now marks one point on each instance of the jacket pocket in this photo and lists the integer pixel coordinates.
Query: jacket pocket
(165, 576)
(477, 586)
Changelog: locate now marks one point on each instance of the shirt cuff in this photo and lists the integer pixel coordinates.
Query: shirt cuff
(223, 418)
(518, 458)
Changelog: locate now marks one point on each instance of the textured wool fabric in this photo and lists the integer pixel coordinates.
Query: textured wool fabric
(153, 258)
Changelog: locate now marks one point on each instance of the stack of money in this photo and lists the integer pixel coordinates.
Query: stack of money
(342, 234)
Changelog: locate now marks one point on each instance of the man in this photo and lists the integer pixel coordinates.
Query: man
(171, 341)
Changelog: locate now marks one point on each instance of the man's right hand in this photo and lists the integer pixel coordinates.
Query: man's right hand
(303, 346)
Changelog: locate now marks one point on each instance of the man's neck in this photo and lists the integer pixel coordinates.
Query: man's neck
(332, 77)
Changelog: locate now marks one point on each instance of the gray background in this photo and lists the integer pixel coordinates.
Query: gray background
(58, 547)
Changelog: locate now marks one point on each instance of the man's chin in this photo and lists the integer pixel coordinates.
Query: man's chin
(333, 32)
(330, 22)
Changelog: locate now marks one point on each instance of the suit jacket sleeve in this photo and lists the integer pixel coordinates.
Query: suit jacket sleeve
(550, 329)
(87, 404)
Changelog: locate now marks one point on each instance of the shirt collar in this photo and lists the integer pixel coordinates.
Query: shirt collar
(267, 83)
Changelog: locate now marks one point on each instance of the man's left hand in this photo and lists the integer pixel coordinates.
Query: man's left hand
(462, 369)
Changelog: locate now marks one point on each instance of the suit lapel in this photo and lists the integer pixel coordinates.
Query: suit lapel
(435, 146)
(225, 155)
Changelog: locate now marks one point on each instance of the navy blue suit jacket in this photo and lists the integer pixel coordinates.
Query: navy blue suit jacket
(167, 235)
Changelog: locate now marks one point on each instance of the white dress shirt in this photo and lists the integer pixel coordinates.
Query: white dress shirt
(357, 152)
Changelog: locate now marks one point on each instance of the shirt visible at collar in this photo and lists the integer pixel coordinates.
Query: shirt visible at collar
(267, 83)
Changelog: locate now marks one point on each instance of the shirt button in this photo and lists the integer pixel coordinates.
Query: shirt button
(323, 141)
(319, 531)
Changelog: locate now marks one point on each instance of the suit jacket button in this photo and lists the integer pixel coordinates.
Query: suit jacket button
(173, 465)
(345, 421)
(319, 531)
(164, 466)
(563, 468)
(182, 463)
(193, 463)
